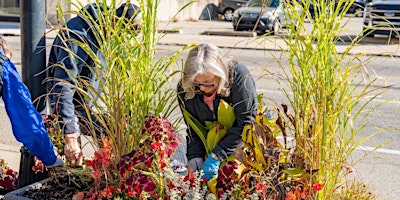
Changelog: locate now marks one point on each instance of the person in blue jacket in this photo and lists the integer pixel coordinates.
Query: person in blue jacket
(209, 76)
(68, 62)
(26, 121)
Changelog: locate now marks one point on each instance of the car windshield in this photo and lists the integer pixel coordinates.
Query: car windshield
(262, 3)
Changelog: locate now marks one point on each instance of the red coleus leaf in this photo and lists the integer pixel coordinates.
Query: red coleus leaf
(89, 163)
(163, 165)
(137, 188)
(227, 170)
(149, 162)
(170, 184)
(150, 187)
(129, 192)
(155, 145)
(7, 183)
(162, 154)
(122, 172)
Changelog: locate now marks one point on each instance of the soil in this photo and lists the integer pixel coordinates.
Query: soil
(64, 184)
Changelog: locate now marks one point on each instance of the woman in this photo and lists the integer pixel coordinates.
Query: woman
(209, 77)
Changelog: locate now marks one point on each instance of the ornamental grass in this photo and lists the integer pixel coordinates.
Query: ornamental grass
(327, 95)
(134, 102)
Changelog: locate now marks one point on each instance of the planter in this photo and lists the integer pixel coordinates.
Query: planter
(18, 194)
(26, 176)
(27, 179)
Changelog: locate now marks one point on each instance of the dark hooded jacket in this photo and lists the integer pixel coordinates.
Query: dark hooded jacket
(242, 98)
(65, 67)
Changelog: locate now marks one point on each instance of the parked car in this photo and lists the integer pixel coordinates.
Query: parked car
(227, 7)
(357, 8)
(382, 17)
(262, 16)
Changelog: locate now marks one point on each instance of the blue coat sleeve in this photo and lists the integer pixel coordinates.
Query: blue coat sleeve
(26, 121)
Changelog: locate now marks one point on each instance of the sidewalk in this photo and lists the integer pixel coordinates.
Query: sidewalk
(181, 33)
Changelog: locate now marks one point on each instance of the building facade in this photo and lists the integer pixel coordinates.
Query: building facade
(167, 9)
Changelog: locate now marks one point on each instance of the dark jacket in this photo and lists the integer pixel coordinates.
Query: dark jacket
(65, 66)
(242, 98)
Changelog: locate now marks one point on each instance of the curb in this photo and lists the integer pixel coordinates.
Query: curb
(275, 49)
(178, 31)
(231, 33)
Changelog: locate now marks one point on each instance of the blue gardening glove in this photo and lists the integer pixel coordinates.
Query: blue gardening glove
(210, 167)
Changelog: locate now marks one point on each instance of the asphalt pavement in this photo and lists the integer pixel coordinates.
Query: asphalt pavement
(182, 33)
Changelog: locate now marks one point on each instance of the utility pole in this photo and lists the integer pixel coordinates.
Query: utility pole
(33, 64)
(33, 48)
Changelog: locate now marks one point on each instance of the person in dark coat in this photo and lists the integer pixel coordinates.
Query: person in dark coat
(208, 77)
(26, 121)
(68, 61)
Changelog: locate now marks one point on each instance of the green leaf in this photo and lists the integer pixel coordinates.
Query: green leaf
(296, 173)
(210, 124)
(215, 135)
(200, 130)
(226, 114)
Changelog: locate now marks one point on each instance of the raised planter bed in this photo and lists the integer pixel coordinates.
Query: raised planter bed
(18, 194)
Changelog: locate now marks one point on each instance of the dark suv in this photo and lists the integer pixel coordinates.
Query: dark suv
(227, 7)
(382, 17)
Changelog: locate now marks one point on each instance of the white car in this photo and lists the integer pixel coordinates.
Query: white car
(382, 17)
(262, 16)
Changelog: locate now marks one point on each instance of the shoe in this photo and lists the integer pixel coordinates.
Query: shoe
(59, 163)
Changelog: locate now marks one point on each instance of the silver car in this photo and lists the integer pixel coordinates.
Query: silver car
(227, 7)
(262, 16)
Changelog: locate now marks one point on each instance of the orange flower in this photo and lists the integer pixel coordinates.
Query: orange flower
(290, 196)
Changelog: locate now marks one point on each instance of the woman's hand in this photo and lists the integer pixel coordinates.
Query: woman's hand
(72, 150)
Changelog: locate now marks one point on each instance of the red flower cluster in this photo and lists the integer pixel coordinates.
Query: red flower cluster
(38, 166)
(137, 183)
(161, 136)
(316, 187)
(303, 192)
(183, 186)
(102, 160)
(159, 143)
(8, 178)
(106, 193)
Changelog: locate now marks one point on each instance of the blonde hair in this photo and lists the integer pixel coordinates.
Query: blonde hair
(4, 47)
(206, 59)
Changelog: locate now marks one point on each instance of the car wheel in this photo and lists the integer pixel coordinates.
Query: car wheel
(359, 12)
(228, 14)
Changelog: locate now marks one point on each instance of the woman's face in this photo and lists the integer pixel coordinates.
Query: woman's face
(206, 83)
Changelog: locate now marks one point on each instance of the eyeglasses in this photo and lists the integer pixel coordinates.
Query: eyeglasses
(197, 85)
